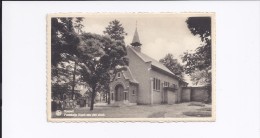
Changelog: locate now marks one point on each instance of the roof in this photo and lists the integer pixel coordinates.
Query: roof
(128, 75)
(155, 63)
(136, 40)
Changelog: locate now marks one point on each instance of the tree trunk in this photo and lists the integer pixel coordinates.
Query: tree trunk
(108, 97)
(73, 82)
(93, 95)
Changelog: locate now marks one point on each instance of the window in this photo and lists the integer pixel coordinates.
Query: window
(156, 84)
(133, 92)
(125, 95)
(166, 84)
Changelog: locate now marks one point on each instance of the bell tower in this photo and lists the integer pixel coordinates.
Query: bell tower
(136, 42)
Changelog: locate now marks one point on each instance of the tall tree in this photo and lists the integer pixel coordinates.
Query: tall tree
(173, 65)
(198, 64)
(116, 32)
(78, 25)
(63, 39)
(64, 42)
(99, 55)
(201, 59)
(66, 75)
(77, 28)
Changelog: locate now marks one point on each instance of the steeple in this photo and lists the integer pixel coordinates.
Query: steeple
(136, 42)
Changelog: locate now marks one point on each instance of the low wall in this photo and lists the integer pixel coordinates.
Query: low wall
(198, 94)
(185, 94)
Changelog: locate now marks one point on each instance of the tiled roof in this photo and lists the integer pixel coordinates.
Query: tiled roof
(154, 62)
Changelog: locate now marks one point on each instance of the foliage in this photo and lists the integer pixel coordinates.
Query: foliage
(86, 58)
(64, 42)
(115, 30)
(173, 65)
(63, 39)
(64, 76)
(78, 25)
(99, 55)
(201, 77)
(198, 64)
(58, 90)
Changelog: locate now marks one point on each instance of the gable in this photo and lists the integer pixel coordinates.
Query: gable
(156, 65)
(126, 75)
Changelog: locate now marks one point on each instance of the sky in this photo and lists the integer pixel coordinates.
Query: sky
(159, 33)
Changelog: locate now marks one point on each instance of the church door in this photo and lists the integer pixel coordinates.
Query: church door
(119, 93)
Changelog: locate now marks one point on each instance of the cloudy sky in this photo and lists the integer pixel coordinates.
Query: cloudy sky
(159, 33)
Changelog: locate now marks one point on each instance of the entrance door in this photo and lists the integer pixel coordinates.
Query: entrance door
(119, 93)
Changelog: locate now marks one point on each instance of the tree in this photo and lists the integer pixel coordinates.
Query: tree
(116, 32)
(64, 42)
(198, 64)
(173, 65)
(78, 25)
(66, 75)
(63, 39)
(99, 55)
(201, 59)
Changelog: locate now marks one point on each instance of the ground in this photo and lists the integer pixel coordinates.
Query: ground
(182, 110)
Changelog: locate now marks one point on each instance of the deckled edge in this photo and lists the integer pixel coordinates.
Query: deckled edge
(132, 120)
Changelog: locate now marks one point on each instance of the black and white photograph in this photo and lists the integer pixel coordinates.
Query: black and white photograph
(130, 69)
(145, 66)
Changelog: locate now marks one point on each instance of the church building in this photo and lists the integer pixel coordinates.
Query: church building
(145, 81)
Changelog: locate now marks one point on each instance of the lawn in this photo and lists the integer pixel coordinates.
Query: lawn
(182, 110)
